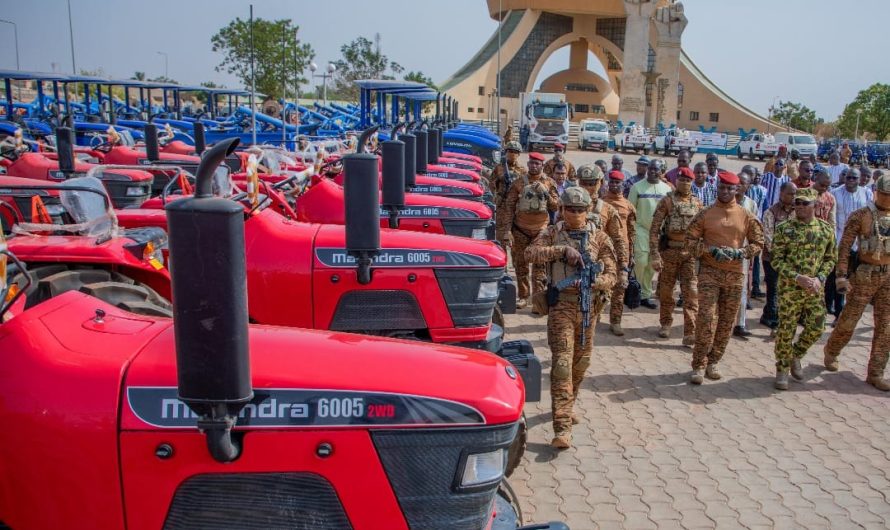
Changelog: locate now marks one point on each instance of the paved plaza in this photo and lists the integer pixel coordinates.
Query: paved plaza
(653, 451)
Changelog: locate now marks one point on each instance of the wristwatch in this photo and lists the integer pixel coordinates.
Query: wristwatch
(821, 278)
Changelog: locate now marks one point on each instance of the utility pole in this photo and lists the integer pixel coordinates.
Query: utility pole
(166, 71)
(71, 33)
(15, 31)
(252, 82)
(498, 88)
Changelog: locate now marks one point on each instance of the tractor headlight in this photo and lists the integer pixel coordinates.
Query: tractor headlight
(479, 233)
(487, 290)
(135, 191)
(483, 468)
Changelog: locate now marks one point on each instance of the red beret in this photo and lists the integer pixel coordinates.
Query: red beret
(617, 175)
(729, 178)
(536, 156)
(685, 172)
(558, 145)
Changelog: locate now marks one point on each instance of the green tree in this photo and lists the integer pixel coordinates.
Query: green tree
(138, 76)
(362, 59)
(797, 116)
(872, 106)
(419, 77)
(277, 54)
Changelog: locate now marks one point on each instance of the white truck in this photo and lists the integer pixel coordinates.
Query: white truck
(760, 145)
(635, 138)
(593, 133)
(672, 141)
(543, 119)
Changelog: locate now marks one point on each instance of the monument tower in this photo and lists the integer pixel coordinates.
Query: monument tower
(649, 78)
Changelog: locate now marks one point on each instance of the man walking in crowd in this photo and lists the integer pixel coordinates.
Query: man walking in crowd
(562, 249)
(826, 206)
(773, 217)
(846, 153)
(644, 196)
(781, 154)
(618, 165)
(683, 159)
(559, 158)
(836, 168)
(712, 161)
(741, 328)
(667, 245)
(849, 198)
(526, 212)
(701, 188)
(560, 177)
(756, 193)
(869, 284)
(642, 172)
(773, 180)
(805, 178)
(628, 215)
(721, 230)
(605, 217)
(803, 254)
(499, 185)
(792, 164)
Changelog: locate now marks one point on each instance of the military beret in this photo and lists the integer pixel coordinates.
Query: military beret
(685, 172)
(806, 194)
(727, 177)
(589, 173)
(536, 156)
(616, 175)
(558, 145)
(575, 196)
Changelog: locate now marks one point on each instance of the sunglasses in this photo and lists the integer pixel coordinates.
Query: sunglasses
(801, 202)
(852, 177)
(575, 209)
(805, 170)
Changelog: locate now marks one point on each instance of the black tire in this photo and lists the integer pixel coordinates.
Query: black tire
(517, 448)
(739, 154)
(111, 287)
(497, 317)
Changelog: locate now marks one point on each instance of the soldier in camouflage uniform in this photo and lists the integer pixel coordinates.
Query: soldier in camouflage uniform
(868, 284)
(559, 158)
(559, 250)
(605, 217)
(498, 177)
(525, 213)
(720, 232)
(803, 254)
(667, 243)
(628, 215)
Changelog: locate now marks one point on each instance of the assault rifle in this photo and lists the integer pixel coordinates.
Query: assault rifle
(508, 177)
(584, 279)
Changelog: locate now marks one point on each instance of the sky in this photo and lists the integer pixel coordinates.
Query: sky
(816, 52)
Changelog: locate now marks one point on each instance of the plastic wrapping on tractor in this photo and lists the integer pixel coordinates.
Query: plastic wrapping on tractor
(507, 295)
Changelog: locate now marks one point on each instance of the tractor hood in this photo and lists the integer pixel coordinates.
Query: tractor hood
(299, 381)
(46, 166)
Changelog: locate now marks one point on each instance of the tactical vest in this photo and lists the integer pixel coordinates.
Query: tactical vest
(878, 243)
(680, 216)
(532, 199)
(595, 216)
(560, 270)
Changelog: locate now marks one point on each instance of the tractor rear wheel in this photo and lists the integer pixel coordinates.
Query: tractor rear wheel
(111, 287)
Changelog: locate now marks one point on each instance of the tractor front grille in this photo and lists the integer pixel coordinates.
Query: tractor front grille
(424, 468)
(296, 501)
(378, 311)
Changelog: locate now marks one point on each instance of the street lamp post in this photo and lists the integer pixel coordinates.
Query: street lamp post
(858, 113)
(324, 76)
(166, 72)
(15, 31)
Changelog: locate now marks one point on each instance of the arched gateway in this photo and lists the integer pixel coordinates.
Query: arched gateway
(649, 79)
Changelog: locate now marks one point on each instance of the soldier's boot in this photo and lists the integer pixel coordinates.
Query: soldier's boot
(664, 332)
(616, 330)
(830, 362)
(522, 303)
(781, 379)
(876, 379)
(712, 372)
(796, 370)
(562, 440)
(689, 340)
(698, 376)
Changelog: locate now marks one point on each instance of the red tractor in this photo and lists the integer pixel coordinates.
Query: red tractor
(119, 420)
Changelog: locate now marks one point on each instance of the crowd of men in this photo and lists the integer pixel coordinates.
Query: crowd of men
(817, 237)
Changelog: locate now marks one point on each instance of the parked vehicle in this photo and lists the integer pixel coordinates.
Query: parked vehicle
(593, 134)
(672, 141)
(803, 143)
(543, 120)
(635, 138)
(879, 155)
(760, 145)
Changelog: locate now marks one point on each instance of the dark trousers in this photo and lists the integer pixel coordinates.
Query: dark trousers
(835, 301)
(770, 315)
(755, 276)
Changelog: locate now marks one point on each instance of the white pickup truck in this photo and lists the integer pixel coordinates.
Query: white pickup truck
(635, 138)
(593, 133)
(758, 145)
(672, 141)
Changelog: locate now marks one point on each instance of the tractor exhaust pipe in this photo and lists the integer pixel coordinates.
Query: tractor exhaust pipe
(393, 179)
(433, 149)
(364, 137)
(422, 158)
(410, 160)
(152, 151)
(361, 187)
(200, 138)
(210, 307)
(65, 150)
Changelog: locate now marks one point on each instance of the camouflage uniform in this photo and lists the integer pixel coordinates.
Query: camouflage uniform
(719, 279)
(807, 249)
(499, 183)
(667, 242)
(570, 358)
(524, 227)
(628, 215)
(869, 284)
